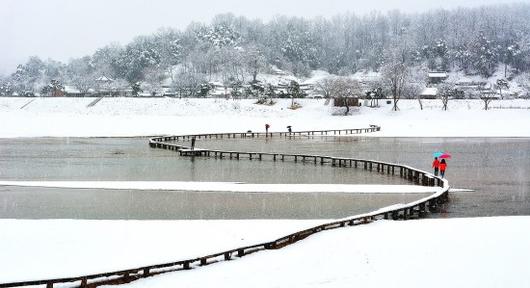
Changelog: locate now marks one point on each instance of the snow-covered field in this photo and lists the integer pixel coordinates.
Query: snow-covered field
(471, 252)
(58, 117)
(44, 249)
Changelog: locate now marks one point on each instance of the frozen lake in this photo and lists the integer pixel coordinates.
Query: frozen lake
(497, 169)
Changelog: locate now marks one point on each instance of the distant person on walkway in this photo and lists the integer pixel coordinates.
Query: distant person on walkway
(436, 165)
(192, 143)
(443, 166)
(289, 129)
(267, 126)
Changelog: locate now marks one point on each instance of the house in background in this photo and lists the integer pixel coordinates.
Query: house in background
(346, 101)
(103, 84)
(429, 93)
(71, 91)
(437, 77)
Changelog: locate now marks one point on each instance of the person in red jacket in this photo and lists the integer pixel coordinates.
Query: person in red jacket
(443, 166)
(436, 165)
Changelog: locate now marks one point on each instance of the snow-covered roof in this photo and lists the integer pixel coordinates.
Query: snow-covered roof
(438, 75)
(104, 79)
(276, 71)
(429, 91)
(71, 90)
(216, 83)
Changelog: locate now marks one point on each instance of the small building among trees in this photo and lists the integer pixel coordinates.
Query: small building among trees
(436, 77)
(429, 93)
(345, 101)
(71, 91)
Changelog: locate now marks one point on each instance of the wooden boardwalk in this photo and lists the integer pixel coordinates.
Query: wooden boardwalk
(413, 210)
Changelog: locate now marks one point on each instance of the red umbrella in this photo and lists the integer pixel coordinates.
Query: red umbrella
(445, 155)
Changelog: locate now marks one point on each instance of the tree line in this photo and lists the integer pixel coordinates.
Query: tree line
(235, 50)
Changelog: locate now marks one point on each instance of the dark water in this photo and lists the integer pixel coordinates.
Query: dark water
(132, 159)
(46, 203)
(497, 169)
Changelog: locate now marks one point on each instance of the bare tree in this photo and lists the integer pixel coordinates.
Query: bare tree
(83, 83)
(255, 61)
(413, 90)
(324, 86)
(487, 100)
(486, 96)
(395, 73)
(187, 83)
(446, 90)
(418, 81)
(344, 88)
(154, 78)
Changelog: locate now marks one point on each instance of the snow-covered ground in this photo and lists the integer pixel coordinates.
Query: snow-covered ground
(226, 186)
(480, 252)
(45, 249)
(470, 252)
(70, 117)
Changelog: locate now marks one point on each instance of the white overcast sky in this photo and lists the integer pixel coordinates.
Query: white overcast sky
(62, 29)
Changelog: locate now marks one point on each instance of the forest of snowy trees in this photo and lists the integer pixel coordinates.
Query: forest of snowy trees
(234, 49)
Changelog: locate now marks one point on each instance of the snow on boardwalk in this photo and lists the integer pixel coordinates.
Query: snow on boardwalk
(468, 252)
(226, 186)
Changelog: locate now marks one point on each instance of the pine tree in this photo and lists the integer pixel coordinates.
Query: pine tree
(485, 55)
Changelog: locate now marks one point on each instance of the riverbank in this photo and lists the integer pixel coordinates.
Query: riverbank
(44, 249)
(472, 252)
(124, 117)
(469, 252)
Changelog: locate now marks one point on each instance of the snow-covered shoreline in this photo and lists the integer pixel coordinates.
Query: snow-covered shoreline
(474, 252)
(65, 248)
(235, 187)
(127, 117)
(467, 252)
